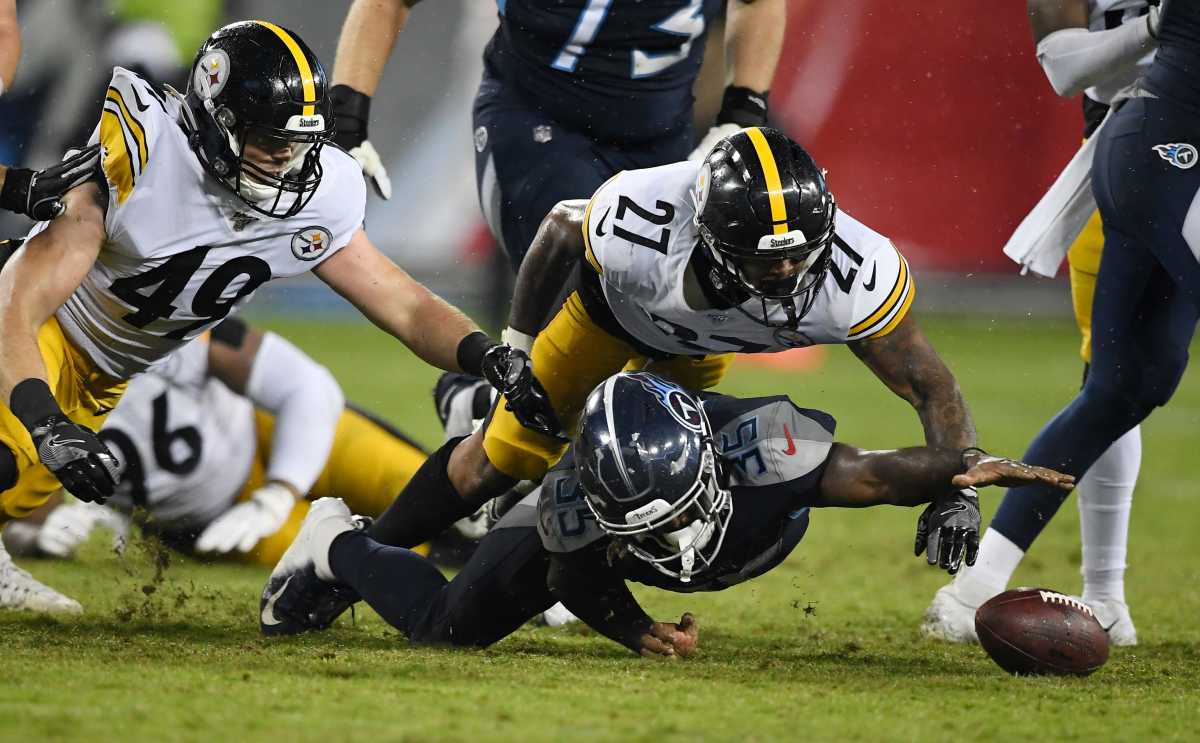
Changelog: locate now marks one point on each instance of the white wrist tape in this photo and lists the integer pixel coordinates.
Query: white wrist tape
(307, 403)
(1076, 59)
(517, 339)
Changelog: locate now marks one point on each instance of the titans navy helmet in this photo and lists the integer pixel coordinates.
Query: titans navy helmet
(766, 221)
(649, 472)
(257, 83)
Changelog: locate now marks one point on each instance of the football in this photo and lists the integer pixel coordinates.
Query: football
(1039, 631)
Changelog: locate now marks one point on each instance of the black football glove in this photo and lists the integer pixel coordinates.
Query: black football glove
(510, 370)
(948, 530)
(38, 194)
(77, 457)
(351, 111)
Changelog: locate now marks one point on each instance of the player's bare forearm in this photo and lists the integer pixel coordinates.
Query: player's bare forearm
(753, 41)
(556, 249)
(10, 43)
(40, 277)
(396, 303)
(854, 478)
(905, 361)
(368, 36)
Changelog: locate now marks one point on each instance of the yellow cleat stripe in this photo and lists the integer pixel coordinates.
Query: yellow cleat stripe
(306, 73)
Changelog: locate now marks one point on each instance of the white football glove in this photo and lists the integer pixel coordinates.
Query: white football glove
(716, 134)
(372, 167)
(70, 525)
(243, 525)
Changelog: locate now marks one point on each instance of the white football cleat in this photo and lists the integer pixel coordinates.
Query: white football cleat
(949, 617)
(20, 590)
(1114, 617)
(558, 616)
(301, 593)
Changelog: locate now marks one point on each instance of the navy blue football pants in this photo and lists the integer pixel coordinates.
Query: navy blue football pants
(526, 162)
(1146, 306)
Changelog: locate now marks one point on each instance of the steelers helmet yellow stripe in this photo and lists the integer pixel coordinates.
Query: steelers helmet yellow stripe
(770, 171)
(306, 73)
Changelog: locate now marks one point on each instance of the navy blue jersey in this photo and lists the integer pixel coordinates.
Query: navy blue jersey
(774, 454)
(617, 70)
(1175, 74)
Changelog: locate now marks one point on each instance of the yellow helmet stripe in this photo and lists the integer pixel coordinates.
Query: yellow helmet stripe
(771, 174)
(306, 73)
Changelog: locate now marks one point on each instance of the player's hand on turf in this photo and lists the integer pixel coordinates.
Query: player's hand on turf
(241, 527)
(948, 530)
(76, 456)
(38, 194)
(70, 525)
(1009, 473)
(510, 370)
(670, 640)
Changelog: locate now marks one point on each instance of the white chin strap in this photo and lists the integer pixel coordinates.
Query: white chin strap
(694, 536)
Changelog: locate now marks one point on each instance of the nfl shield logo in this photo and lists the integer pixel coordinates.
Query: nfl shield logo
(310, 243)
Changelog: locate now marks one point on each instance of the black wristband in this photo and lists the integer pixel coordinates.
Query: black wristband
(743, 106)
(471, 350)
(32, 402)
(962, 456)
(351, 109)
(14, 196)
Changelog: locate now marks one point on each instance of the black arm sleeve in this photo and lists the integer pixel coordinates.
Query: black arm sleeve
(597, 594)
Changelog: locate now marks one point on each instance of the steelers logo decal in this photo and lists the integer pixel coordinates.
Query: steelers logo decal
(211, 74)
(702, 182)
(310, 243)
(792, 338)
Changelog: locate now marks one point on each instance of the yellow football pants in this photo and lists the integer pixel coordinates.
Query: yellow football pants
(570, 357)
(86, 396)
(367, 467)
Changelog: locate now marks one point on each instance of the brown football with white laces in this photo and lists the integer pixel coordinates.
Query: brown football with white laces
(1040, 631)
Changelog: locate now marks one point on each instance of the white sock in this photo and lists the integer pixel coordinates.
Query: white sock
(998, 559)
(1105, 499)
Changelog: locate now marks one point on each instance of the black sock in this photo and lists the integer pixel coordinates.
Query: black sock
(398, 584)
(426, 507)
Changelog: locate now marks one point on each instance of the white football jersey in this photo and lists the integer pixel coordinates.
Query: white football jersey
(184, 441)
(1106, 14)
(182, 251)
(640, 233)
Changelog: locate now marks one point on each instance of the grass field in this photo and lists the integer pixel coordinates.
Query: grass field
(824, 648)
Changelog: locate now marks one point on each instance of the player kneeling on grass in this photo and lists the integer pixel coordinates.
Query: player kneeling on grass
(221, 444)
(663, 488)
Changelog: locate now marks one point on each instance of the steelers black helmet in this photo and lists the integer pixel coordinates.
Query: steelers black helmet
(257, 84)
(649, 472)
(766, 220)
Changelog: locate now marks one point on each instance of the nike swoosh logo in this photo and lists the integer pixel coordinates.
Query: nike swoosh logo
(140, 106)
(268, 611)
(870, 285)
(55, 441)
(791, 447)
(955, 508)
(600, 225)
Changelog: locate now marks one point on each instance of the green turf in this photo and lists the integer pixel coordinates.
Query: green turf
(823, 648)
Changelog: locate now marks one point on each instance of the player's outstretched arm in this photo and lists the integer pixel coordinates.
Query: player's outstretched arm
(434, 330)
(34, 283)
(905, 361)
(857, 478)
(556, 249)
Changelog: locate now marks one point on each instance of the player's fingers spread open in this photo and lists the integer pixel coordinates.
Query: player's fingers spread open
(655, 647)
